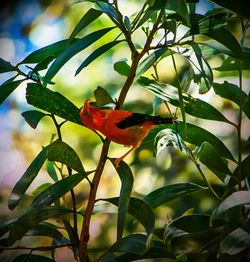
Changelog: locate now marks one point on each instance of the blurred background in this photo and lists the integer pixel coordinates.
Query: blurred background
(27, 25)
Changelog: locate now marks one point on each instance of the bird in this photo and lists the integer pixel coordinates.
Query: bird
(120, 126)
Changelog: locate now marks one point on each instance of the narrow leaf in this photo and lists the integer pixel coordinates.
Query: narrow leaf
(50, 51)
(193, 106)
(52, 102)
(33, 117)
(57, 190)
(229, 91)
(6, 66)
(235, 242)
(122, 68)
(180, 7)
(61, 152)
(156, 251)
(150, 60)
(236, 199)
(233, 64)
(27, 178)
(140, 210)
(7, 88)
(134, 243)
(5, 227)
(246, 106)
(205, 74)
(171, 192)
(31, 219)
(108, 9)
(226, 38)
(90, 16)
(102, 97)
(45, 229)
(98, 52)
(127, 180)
(189, 224)
(210, 158)
(72, 50)
(51, 170)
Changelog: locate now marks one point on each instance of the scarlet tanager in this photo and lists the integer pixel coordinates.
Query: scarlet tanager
(120, 126)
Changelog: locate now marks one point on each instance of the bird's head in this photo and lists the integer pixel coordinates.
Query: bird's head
(86, 114)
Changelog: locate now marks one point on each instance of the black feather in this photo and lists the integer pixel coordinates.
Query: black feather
(138, 119)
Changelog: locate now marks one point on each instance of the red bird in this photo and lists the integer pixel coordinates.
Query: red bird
(119, 126)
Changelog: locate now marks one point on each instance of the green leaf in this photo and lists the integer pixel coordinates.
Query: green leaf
(233, 64)
(50, 51)
(205, 74)
(122, 67)
(6, 66)
(127, 24)
(57, 190)
(180, 7)
(32, 258)
(226, 38)
(33, 117)
(74, 239)
(210, 158)
(196, 135)
(211, 21)
(189, 224)
(98, 52)
(134, 243)
(102, 97)
(147, 62)
(7, 88)
(72, 50)
(45, 229)
(90, 16)
(229, 91)
(32, 218)
(149, 13)
(51, 170)
(246, 106)
(5, 227)
(108, 9)
(61, 152)
(238, 7)
(140, 210)
(27, 178)
(52, 102)
(170, 192)
(156, 251)
(169, 137)
(235, 199)
(134, 248)
(193, 106)
(127, 180)
(235, 242)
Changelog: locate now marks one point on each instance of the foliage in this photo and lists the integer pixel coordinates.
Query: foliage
(222, 234)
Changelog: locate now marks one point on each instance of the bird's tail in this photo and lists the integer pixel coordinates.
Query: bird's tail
(159, 120)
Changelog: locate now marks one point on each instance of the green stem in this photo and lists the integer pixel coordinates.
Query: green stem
(203, 175)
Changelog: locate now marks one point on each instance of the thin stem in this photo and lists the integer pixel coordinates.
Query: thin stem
(72, 193)
(203, 175)
(181, 101)
(84, 237)
(239, 130)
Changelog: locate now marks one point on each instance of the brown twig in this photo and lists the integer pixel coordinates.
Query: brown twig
(84, 236)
